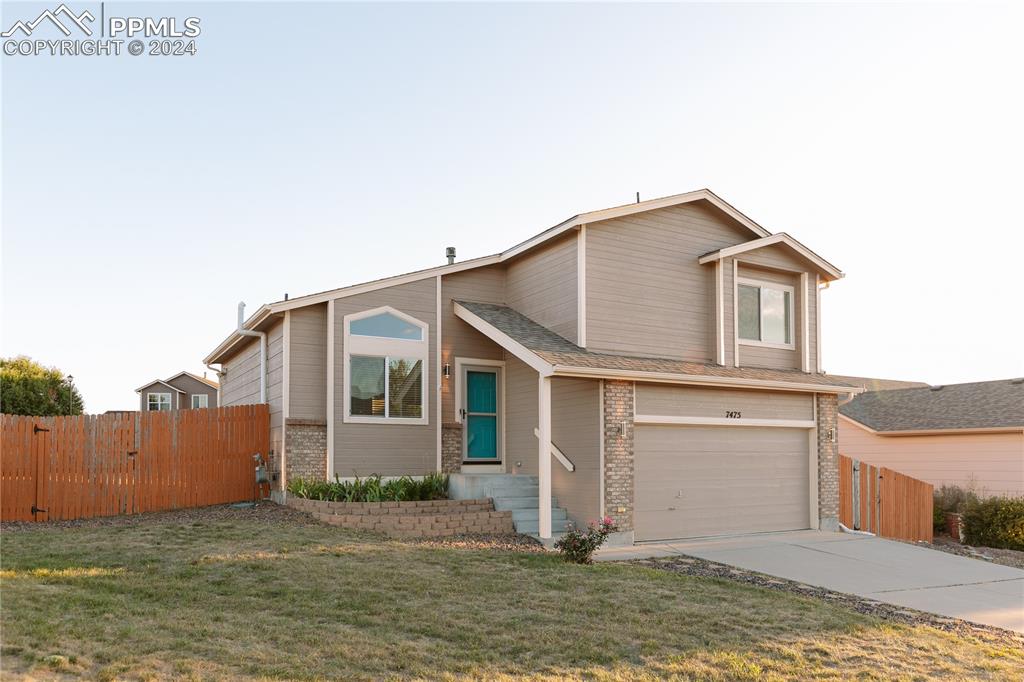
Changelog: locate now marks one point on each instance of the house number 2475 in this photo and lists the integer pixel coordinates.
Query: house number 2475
(733, 414)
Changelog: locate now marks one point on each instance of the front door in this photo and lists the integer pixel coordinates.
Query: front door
(481, 416)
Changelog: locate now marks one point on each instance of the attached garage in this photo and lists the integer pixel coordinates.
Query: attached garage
(700, 473)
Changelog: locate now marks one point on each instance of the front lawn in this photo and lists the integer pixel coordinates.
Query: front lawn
(233, 594)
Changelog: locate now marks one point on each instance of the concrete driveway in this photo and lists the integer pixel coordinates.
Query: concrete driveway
(887, 571)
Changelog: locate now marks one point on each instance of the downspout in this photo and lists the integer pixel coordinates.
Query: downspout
(263, 349)
(220, 378)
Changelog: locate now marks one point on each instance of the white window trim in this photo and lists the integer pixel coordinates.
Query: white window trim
(169, 405)
(762, 284)
(387, 348)
(192, 401)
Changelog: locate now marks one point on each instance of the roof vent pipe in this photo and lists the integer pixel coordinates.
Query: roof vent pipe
(450, 254)
(242, 331)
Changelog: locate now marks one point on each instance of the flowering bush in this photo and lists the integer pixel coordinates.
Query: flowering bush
(578, 546)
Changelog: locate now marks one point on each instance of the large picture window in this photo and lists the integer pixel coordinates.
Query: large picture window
(158, 402)
(765, 313)
(385, 355)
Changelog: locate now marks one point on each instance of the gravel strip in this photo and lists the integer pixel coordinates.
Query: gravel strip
(687, 565)
(1005, 557)
(265, 512)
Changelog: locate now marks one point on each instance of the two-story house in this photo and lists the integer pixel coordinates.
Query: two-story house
(657, 363)
(183, 391)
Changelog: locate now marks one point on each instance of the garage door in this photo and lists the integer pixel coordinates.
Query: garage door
(693, 481)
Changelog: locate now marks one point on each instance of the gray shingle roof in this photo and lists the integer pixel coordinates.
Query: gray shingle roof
(558, 350)
(875, 384)
(981, 405)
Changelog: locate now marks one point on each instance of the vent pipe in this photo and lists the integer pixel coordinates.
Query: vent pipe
(242, 331)
(450, 254)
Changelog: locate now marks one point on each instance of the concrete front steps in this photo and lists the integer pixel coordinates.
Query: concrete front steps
(517, 493)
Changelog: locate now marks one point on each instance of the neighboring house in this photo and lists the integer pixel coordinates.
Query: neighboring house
(183, 391)
(873, 384)
(970, 435)
(657, 362)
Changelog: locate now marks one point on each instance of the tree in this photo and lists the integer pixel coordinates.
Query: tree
(26, 387)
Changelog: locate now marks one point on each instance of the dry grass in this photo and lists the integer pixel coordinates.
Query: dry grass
(229, 598)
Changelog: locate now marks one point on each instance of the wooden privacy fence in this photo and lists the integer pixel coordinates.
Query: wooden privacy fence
(61, 468)
(883, 501)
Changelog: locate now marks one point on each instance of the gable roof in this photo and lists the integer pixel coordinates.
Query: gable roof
(984, 405)
(876, 384)
(781, 239)
(166, 382)
(208, 382)
(554, 355)
(267, 310)
(158, 381)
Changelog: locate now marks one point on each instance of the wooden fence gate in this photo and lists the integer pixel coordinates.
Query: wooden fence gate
(62, 468)
(883, 501)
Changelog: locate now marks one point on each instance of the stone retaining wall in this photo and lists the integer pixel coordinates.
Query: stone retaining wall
(425, 519)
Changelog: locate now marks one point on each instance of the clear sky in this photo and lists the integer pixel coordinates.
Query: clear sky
(309, 146)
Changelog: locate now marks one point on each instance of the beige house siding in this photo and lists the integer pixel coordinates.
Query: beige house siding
(241, 383)
(685, 401)
(575, 429)
(991, 463)
(485, 285)
(646, 293)
(307, 380)
(275, 375)
(388, 449)
(520, 416)
(542, 286)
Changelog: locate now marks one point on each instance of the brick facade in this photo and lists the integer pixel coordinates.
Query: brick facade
(433, 518)
(828, 461)
(451, 448)
(306, 449)
(618, 452)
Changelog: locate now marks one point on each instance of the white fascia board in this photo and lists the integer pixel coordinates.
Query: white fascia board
(158, 381)
(630, 209)
(504, 340)
(780, 238)
(700, 380)
(255, 320)
(385, 283)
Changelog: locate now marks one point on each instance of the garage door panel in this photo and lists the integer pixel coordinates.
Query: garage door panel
(693, 480)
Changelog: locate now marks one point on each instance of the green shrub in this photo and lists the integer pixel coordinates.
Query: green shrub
(433, 486)
(995, 522)
(950, 499)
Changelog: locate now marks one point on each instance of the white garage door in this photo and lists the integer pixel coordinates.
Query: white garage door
(694, 481)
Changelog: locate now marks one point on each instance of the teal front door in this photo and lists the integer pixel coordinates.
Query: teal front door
(481, 416)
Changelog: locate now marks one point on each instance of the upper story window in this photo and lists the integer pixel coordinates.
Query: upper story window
(199, 401)
(386, 355)
(158, 402)
(765, 313)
